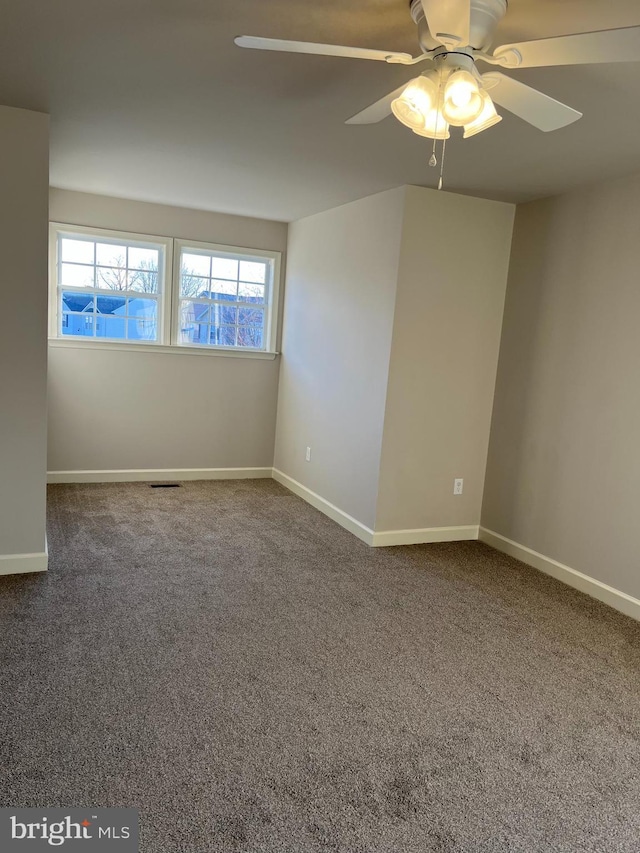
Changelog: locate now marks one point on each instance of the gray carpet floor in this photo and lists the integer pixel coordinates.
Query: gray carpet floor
(253, 678)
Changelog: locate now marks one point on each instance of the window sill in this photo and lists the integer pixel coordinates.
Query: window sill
(61, 343)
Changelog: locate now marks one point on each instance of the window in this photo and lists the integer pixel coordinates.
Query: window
(122, 288)
(225, 298)
(109, 286)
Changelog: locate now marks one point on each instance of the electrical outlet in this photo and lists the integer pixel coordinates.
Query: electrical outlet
(457, 486)
(308, 454)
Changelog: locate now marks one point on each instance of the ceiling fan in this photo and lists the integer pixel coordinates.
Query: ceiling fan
(454, 35)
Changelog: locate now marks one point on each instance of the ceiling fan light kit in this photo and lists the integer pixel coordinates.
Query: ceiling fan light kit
(416, 102)
(461, 100)
(451, 95)
(487, 118)
(435, 126)
(454, 35)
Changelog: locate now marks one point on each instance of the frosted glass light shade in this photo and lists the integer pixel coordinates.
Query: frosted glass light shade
(487, 118)
(415, 103)
(462, 99)
(435, 126)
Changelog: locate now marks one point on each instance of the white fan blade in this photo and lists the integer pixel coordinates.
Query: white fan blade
(540, 110)
(378, 111)
(621, 45)
(449, 21)
(322, 49)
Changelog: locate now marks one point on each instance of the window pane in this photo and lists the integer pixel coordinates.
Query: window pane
(145, 281)
(251, 316)
(77, 324)
(142, 330)
(111, 255)
(111, 305)
(253, 271)
(194, 333)
(224, 315)
(143, 259)
(224, 268)
(186, 333)
(144, 309)
(111, 326)
(191, 285)
(187, 312)
(251, 292)
(194, 317)
(78, 251)
(111, 278)
(224, 336)
(74, 301)
(73, 275)
(224, 289)
(201, 313)
(194, 311)
(196, 264)
(250, 336)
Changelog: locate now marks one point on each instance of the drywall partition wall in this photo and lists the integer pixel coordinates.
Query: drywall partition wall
(121, 412)
(563, 475)
(446, 337)
(391, 337)
(342, 269)
(24, 187)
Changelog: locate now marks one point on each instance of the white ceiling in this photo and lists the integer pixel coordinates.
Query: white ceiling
(150, 99)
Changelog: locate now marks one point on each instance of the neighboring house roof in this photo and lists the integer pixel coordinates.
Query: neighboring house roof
(136, 308)
(80, 302)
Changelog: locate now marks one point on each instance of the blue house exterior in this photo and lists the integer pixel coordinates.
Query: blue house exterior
(113, 317)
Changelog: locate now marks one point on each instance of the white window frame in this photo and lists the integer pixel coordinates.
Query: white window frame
(168, 296)
(272, 293)
(165, 265)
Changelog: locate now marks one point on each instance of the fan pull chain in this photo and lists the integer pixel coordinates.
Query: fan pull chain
(433, 161)
(444, 148)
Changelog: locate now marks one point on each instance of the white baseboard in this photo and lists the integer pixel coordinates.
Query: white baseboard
(333, 512)
(21, 564)
(150, 475)
(424, 536)
(626, 604)
(384, 538)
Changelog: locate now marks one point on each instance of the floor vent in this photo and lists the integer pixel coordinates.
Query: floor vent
(165, 485)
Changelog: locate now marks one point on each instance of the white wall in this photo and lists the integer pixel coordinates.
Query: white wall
(342, 273)
(444, 355)
(24, 180)
(115, 410)
(392, 330)
(563, 477)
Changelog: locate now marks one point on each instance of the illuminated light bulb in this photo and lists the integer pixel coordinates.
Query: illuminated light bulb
(460, 88)
(460, 95)
(435, 127)
(415, 103)
(487, 118)
(463, 101)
